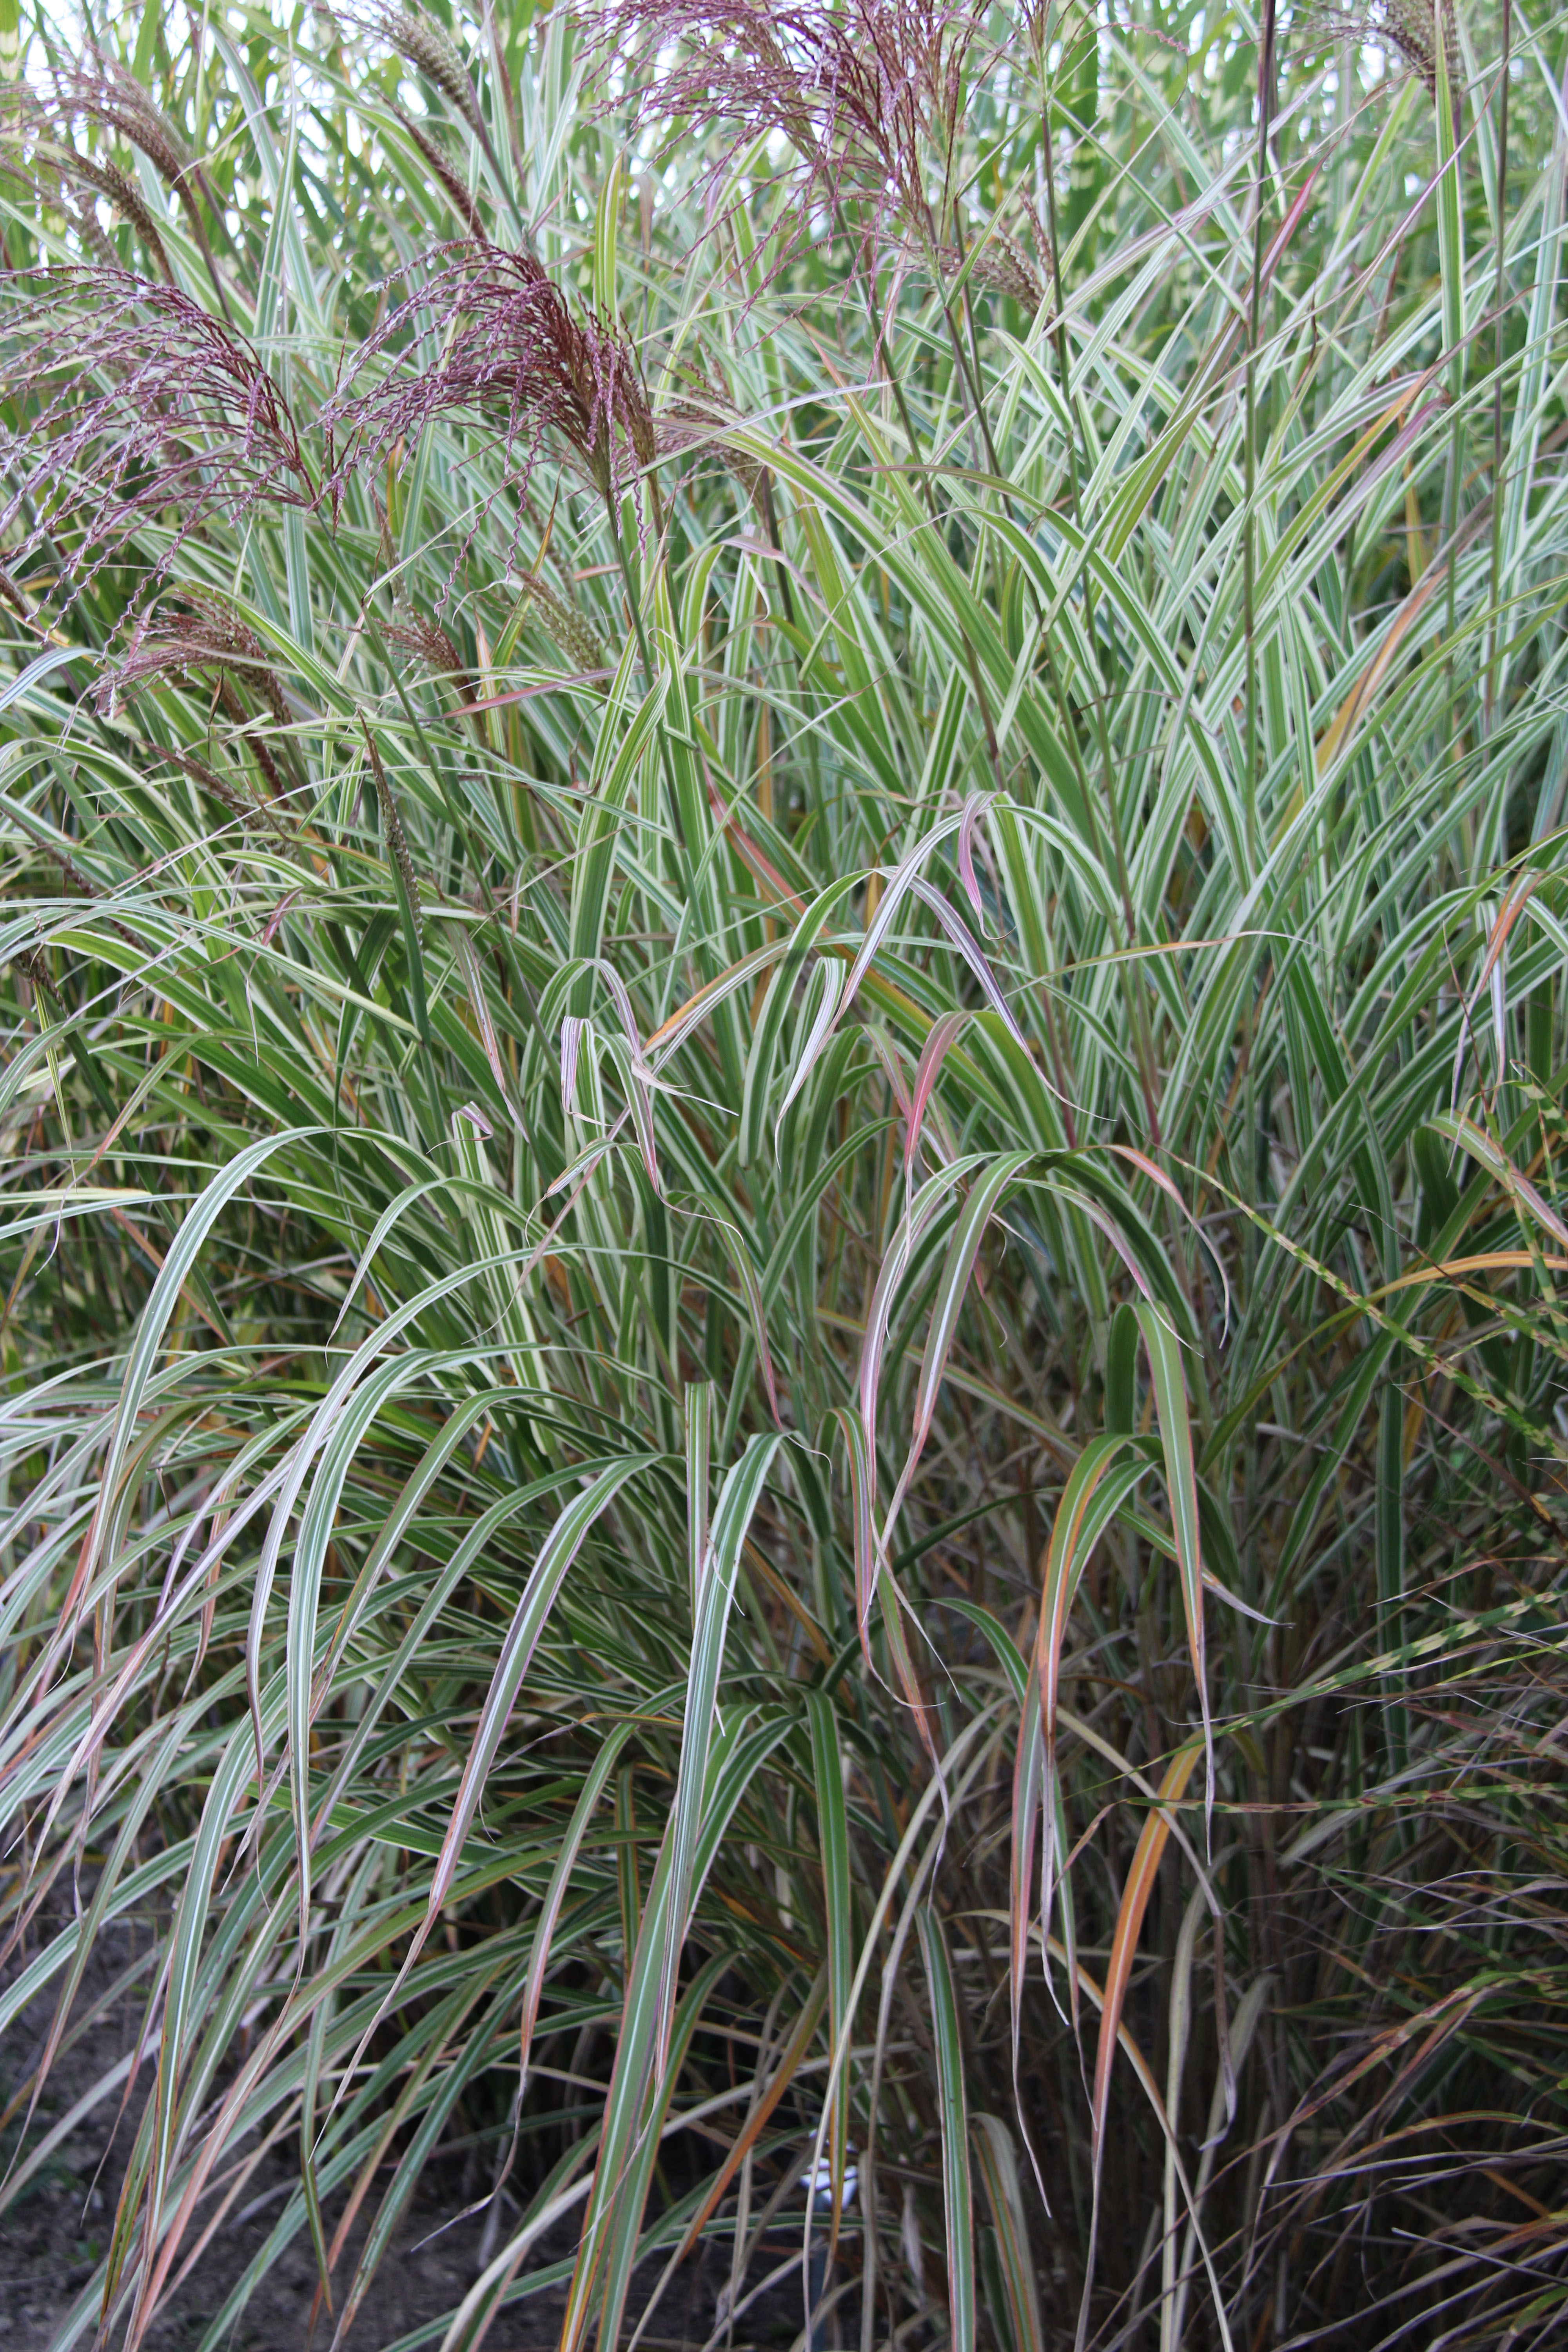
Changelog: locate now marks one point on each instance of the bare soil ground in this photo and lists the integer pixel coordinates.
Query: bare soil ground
(53, 2236)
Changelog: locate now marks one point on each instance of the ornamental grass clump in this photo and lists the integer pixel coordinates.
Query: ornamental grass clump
(784, 1079)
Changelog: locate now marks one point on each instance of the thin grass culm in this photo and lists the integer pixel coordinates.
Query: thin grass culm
(785, 1075)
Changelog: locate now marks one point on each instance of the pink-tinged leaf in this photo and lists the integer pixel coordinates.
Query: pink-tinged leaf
(640, 1099)
(530, 693)
(962, 1252)
(876, 931)
(1493, 976)
(271, 929)
(763, 868)
(1287, 229)
(572, 1030)
(904, 1667)
(746, 1275)
(975, 808)
(931, 1198)
(887, 1053)
(686, 1017)
(1135, 1896)
(862, 1494)
(639, 1088)
(1108, 1226)
(964, 942)
(1157, 1175)
(1481, 1146)
(940, 1035)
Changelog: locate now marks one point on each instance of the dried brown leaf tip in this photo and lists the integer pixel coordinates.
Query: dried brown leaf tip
(510, 352)
(132, 409)
(868, 93)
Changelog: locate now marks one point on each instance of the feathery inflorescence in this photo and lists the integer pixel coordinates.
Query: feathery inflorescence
(868, 93)
(190, 631)
(489, 336)
(134, 410)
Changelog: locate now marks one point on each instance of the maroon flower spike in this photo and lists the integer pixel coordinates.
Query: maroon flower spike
(100, 91)
(133, 407)
(868, 93)
(197, 631)
(513, 355)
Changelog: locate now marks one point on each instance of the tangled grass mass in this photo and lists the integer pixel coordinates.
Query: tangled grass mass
(785, 1073)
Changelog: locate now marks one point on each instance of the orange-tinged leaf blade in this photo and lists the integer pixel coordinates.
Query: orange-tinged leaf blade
(1135, 1896)
(1181, 1485)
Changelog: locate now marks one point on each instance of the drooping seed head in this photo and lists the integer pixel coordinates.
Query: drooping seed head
(122, 193)
(867, 91)
(413, 632)
(36, 148)
(1410, 27)
(195, 630)
(442, 172)
(100, 91)
(426, 46)
(132, 410)
(565, 624)
(499, 344)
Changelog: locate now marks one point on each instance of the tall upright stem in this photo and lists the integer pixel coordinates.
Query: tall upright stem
(647, 670)
(1495, 625)
(1249, 546)
(1137, 1005)
(882, 343)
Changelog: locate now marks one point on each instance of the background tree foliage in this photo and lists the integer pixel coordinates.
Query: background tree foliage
(784, 1079)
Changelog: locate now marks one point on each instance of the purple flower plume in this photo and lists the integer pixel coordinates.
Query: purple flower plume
(100, 89)
(868, 93)
(511, 354)
(196, 631)
(132, 408)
